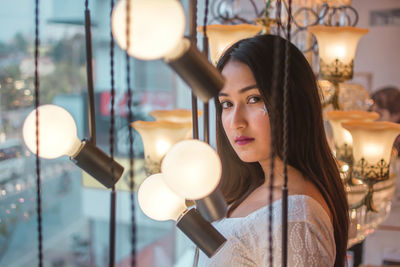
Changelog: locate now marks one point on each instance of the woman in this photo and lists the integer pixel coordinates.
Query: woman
(318, 211)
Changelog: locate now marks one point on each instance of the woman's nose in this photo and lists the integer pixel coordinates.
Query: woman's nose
(238, 119)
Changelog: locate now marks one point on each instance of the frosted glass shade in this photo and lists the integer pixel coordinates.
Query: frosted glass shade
(156, 27)
(57, 132)
(337, 48)
(372, 141)
(174, 115)
(192, 169)
(337, 42)
(158, 137)
(220, 37)
(340, 134)
(158, 201)
(332, 3)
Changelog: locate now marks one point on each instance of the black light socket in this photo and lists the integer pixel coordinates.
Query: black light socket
(201, 232)
(213, 207)
(98, 164)
(195, 69)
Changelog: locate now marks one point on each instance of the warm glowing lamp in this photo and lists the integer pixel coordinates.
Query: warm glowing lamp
(58, 137)
(57, 132)
(192, 169)
(156, 27)
(220, 37)
(342, 137)
(372, 141)
(160, 203)
(372, 147)
(332, 3)
(337, 49)
(158, 137)
(174, 115)
(156, 32)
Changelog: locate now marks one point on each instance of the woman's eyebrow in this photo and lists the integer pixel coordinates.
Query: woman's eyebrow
(241, 91)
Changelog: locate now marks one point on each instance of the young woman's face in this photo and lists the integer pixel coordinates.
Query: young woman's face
(244, 117)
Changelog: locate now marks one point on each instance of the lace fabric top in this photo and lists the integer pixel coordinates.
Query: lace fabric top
(311, 239)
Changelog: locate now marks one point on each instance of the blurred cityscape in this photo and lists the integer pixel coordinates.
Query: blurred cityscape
(75, 218)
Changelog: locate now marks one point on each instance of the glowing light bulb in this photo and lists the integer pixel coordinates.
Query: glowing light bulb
(372, 149)
(156, 27)
(347, 137)
(340, 51)
(158, 201)
(162, 147)
(192, 169)
(345, 168)
(57, 132)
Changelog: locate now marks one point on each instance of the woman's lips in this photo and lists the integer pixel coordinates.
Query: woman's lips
(243, 140)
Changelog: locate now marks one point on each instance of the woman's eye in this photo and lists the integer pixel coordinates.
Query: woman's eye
(226, 104)
(253, 99)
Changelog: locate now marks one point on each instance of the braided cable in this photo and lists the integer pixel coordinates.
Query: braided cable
(206, 108)
(193, 34)
(278, 16)
(111, 141)
(286, 138)
(275, 88)
(130, 120)
(38, 180)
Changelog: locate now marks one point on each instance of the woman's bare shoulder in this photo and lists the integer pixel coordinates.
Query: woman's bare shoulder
(297, 185)
(302, 186)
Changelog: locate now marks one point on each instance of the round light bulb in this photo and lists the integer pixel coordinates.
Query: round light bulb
(158, 201)
(156, 27)
(57, 132)
(192, 169)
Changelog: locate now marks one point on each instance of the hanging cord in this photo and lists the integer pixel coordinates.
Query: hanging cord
(38, 188)
(113, 199)
(278, 16)
(130, 120)
(286, 139)
(89, 74)
(193, 39)
(195, 124)
(205, 52)
(275, 88)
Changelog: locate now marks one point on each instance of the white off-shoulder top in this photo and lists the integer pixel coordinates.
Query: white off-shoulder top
(311, 239)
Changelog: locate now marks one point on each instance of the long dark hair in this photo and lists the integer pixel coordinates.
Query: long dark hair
(308, 149)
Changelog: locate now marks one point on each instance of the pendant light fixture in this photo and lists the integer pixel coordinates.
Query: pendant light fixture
(160, 203)
(58, 135)
(157, 29)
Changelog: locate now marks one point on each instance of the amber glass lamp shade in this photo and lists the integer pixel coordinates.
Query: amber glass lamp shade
(333, 3)
(220, 37)
(174, 115)
(372, 147)
(158, 137)
(337, 49)
(372, 141)
(342, 137)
